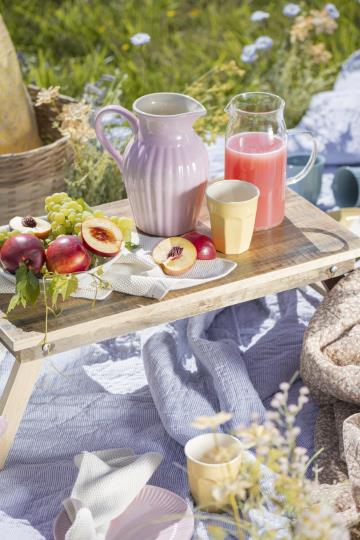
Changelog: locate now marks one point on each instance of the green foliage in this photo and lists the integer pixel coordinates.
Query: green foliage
(27, 288)
(94, 175)
(74, 42)
(60, 285)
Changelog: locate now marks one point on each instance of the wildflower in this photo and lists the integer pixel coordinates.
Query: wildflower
(140, 39)
(301, 29)
(48, 95)
(264, 43)
(239, 488)
(284, 386)
(332, 11)
(320, 55)
(171, 13)
(74, 122)
(322, 22)
(248, 55)
(259, 15)
(211, 422)
(194, 12)
(291, 10)
(125, 47)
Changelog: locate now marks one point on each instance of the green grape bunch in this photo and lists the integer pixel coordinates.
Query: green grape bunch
(66, 216)
(5, 234)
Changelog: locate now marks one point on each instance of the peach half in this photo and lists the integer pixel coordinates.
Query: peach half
(101, 236)
(175, 255)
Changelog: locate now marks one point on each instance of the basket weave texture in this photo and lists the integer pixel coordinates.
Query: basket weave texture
(26, 178)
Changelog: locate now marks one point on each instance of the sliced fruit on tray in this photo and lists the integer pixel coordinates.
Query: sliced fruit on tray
(23, 248)
(175, 255)
(204, 245)
(101, 236)
(30, 225)
(66, 255)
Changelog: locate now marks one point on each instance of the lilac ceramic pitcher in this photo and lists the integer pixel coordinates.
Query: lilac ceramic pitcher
(165, 166)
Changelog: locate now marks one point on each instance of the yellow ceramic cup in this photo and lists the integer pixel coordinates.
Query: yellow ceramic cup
(232, 206)
(204, 477)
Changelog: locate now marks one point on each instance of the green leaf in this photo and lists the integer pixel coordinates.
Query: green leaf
(130, 246)
(99, 271)
(61, 286)
(27, 288)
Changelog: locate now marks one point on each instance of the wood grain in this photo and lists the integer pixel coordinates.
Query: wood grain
(14, 400)
(301, 250)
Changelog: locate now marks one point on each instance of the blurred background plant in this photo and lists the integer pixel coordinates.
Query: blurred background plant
(117, 50)
(281, 502)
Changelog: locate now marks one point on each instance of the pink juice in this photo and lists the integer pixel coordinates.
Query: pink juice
(260, 158)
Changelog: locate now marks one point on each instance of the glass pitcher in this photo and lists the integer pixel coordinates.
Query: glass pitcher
(255, 151)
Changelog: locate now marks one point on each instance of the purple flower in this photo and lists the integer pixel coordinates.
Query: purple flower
(263, 43)
(140, 39)
(259, 16)
(332, 11)
(248, 55)
(291, 10)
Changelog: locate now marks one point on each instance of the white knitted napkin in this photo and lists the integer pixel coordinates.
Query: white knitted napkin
(108, 481)
(136, 273)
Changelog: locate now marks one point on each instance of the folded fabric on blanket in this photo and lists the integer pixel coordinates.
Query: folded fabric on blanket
(231, 360)
(330, 365)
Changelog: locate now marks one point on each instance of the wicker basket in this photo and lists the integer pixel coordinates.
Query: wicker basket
(27, 178)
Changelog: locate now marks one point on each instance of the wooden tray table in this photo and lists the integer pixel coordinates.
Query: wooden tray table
(308, 247)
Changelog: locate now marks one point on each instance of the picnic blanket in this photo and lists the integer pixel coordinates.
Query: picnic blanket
(114, 407)
(330, 366)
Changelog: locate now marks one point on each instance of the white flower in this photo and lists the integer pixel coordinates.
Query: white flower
(140, 39)
(211, 422)
(248, 54)
(302, 400)
(263, 43)
(259, 16)
(332, 11)
(291, 10)
(284, 386)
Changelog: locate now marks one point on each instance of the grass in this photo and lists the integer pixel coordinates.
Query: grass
(195, 47)
(73, 42)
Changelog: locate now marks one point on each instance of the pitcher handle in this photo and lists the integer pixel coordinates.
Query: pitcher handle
(130, 117)
(312, 158)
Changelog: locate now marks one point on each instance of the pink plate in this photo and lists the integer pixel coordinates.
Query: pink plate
(155, 514)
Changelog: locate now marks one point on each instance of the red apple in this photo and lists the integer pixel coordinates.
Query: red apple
(66, 254)
(204, 245)
(101, 236)
(23, 248)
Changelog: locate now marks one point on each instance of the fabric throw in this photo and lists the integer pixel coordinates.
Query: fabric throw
(230, 360)
(330, 366)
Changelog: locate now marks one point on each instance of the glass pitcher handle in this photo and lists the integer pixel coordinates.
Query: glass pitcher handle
(314, 152)
(129, 116)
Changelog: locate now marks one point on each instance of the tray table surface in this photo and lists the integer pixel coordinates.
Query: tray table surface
(300, 251)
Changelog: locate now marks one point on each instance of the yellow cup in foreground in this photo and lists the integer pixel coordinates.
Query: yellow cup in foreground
(204, 477)
(232, 206)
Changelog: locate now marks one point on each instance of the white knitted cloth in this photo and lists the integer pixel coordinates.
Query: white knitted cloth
(108, 481)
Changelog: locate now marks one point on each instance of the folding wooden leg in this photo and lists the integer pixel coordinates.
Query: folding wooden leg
(14, 400)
